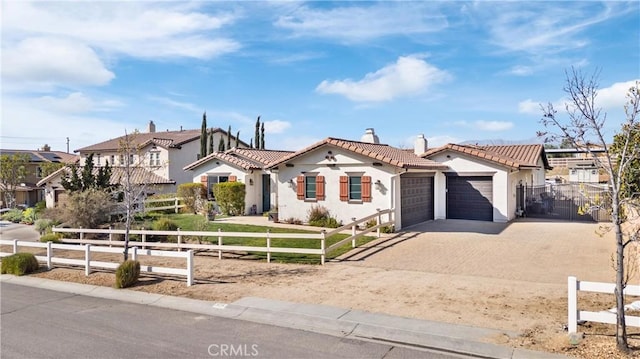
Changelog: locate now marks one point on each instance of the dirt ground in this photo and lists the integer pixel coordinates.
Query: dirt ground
(507, 277)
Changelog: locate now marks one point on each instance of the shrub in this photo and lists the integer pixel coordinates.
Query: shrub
(384, 229)
(319, 216)
(191, 194)
(164, 224)
(19, 264)
(43, 225)
(88, 209)
(14, 215)
(40, 207)
(230, 197)
(51, 237)
(292, 220)
(29, 216)
(127, 273)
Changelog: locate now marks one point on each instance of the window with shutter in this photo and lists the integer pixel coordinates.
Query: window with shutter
(344, 188)
(300, 187)
(320, 188)
(366, 188)
(233, 178)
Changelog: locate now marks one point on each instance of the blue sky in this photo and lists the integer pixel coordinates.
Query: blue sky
(454, 71)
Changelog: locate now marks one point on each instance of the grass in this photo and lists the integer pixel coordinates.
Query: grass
(188, 222)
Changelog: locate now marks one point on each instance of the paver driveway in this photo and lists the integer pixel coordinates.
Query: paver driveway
(525, 250)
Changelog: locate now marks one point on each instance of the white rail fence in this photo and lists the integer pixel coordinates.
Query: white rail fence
(88, 263)
(606, 317)
(143, 206)
(219, 236)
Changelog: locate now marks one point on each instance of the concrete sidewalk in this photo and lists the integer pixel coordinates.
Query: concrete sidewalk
(329, 320)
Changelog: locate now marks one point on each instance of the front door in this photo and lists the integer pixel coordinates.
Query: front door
(266, 193)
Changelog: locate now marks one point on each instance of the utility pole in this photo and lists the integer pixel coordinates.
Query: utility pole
(67, 144)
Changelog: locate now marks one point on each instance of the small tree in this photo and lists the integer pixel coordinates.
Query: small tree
(48, 168)
(221, 145)
(88, 209)
(88, 178)
(230, 197)
(257, 134)
(586, 123)
(262, 136)
(229, 138)
(192, 194)
(238, 139)
(13, 170)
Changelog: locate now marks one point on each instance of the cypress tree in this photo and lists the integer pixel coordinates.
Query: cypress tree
(257, 135)
(211, 141)
(229, 137)
(203, 136)
(238, 139)
(262, 137)
(221, 145)
(251, 143)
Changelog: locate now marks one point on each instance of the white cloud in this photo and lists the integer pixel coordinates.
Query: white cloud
(437, 141)
(276, 126)
(609, 98)
(76, 102)
(177, 104)
(51, 60)
(362, 23)
(614, 96)
(410, 75)
(493, 125)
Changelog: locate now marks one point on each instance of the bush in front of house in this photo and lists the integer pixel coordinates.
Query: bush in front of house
(191, 194)
(163, 224)
(51, 237)
(230, 197)
(19, 264)
(29, 216)
(319, 216)
(43, 225)
(127, 274)
(14, 215)
(384, 229)
(88, 209)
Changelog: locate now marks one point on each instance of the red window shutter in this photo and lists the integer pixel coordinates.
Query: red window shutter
(300, 187)
(320, 188)
(204, 180)
(344, 188)
(233, 178)
(366, 189)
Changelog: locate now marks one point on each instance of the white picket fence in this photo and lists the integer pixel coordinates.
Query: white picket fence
(88, 263)
(220, 247)
(576, 315)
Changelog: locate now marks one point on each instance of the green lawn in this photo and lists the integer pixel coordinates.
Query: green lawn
(189, 222)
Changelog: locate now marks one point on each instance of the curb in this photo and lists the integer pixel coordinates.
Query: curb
(334, 321)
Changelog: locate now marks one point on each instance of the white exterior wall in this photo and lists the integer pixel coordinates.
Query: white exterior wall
(345, 162)
(467, 166)
(178, 158)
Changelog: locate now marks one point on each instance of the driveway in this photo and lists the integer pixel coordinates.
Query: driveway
(19, 231)
(525, 250)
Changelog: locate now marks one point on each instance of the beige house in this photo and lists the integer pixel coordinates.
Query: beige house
(28, 193)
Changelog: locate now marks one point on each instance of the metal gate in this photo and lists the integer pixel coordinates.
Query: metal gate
(571, 202)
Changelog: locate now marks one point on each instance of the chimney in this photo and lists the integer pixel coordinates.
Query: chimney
(152, 127)
(420, 146)
(370, 136)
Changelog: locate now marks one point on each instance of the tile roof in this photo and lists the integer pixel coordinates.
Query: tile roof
(244, 158)
(168, 139)
(139, 175)
(384, 153)
(513, 156)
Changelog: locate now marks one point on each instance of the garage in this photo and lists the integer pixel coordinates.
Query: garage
(470, 197)
(416, 197)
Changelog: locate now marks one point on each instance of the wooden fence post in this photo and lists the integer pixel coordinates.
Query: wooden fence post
(572, 297)
(190, 267)
(268, 247)
(179, 241)
(49, 255)
(323, 246)
(87, 259)
(353, 232)
(219, 243)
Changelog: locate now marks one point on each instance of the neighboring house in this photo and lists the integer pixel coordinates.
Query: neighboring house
(158, 161)
(243, 165)
(54, 192)
(163, 153)
(578, 165)
(355, 178)
(481, 183)
(28, 192)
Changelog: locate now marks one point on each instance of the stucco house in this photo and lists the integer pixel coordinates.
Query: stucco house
(355, 178)
(244, 165)
(481, 181)
(28, 192)
(159, 159)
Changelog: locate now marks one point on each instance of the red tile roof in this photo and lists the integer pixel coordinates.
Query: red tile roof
(244, 158)
(513, 156)
(168, 139)
(139, 175)
(384, 153)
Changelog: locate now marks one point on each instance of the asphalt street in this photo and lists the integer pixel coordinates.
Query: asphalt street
(40, 323)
